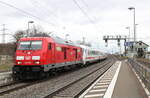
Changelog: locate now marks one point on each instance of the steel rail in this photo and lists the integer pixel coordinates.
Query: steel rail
(50, 95)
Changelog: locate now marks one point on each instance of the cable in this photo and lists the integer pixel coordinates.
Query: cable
(42, 11)
(83, 11)
(85, 3)
(38, 4)
(85, 14)
(25, 12)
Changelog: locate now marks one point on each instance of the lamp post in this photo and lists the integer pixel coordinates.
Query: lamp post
(134, 25)
(136, 28)
(28, 27)
(129, 33)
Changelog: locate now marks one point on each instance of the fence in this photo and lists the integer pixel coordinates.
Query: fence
(5, 59)
(142, 71)
(5, 77)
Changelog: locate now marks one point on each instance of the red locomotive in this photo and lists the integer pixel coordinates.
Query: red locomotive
(37, 56)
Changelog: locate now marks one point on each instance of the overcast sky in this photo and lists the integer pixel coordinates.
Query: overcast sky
(95, 19)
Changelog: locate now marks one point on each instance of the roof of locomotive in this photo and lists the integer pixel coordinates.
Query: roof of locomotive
(53, 39)
(65, 42)
(33, 38)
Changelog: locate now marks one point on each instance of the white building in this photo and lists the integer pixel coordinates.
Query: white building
(136, 49)
(147, 55)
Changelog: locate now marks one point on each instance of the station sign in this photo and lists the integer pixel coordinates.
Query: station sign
(128, 44)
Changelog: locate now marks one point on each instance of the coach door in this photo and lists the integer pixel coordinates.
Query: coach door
(76, 54)
(49, 53)
(65, 53)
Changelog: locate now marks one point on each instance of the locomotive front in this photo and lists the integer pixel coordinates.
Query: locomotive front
(29, 58)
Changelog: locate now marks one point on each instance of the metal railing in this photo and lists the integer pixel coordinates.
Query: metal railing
(142, 71)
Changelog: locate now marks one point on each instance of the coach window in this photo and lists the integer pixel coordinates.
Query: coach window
(49, 46)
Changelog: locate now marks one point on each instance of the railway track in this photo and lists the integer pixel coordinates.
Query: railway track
(18, 86)
(8, 84)
(104, 68)
(12, 87)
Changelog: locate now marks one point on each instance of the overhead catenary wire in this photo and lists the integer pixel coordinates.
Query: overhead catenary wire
(86, 15)
(85, 3)
(83, 12)
(27, 13)
(43, 7)
(42, 11)
(87, 7)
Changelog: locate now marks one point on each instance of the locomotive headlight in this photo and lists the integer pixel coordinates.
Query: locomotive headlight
(19, 62)
(20, 58)
(35, 57)
(37, 62)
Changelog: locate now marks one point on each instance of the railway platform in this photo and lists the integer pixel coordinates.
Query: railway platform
(127, 84)
(119, 83)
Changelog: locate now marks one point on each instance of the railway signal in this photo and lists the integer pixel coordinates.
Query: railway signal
(118, 38)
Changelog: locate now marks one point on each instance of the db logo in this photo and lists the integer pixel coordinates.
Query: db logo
(29, 53)
(28, 57)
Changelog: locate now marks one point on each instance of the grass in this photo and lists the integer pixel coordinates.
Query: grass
(6, 66)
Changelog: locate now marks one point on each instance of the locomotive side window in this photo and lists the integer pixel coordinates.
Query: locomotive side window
(78, 50)
(58, 48)
(49, 46)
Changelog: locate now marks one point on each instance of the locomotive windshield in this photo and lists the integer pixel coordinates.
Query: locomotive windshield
(30, 45)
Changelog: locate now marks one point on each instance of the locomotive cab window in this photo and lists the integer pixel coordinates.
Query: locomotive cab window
(30, 45)
(35, 45)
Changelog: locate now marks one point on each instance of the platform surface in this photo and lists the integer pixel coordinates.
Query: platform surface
(127, 84)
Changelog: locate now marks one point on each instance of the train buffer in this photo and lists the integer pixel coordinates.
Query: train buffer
(119, 81)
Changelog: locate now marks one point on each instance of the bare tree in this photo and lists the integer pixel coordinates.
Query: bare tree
(19, 34)
(40, 34)
(36, 29)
